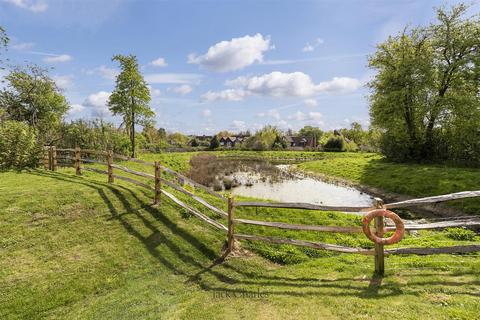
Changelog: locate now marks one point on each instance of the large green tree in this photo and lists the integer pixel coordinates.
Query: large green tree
(31, 96)
(426, 90)
(131, 97)
(312, 132)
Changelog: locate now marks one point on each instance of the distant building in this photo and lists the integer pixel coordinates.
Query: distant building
(231, 141)
(297, 142)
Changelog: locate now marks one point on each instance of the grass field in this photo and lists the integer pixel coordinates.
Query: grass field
(77, 247)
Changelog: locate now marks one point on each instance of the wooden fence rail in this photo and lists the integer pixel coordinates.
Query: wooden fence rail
(380, 225)
(156, 177)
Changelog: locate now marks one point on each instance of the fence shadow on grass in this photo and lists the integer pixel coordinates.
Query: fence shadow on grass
(173, 246)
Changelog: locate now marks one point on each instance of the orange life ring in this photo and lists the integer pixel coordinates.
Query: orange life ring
(396, 237)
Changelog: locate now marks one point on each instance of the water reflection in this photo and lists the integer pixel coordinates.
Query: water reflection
(299, 188)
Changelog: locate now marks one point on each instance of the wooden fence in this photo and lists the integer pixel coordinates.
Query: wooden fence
(380, 225)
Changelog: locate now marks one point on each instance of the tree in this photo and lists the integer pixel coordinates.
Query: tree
(426, 90)
(279, 143)
(214, 143)
(264, 138)
(131, 97)
(18, 145)
(355, 133)
(178, 139)
(32, 97)
(311, 132)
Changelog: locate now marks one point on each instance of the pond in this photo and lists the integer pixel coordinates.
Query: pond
(299, 188)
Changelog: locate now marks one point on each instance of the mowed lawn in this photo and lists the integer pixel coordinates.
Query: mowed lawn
(78, 248)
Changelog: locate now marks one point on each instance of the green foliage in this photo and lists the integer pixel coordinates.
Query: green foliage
(311, 132)
(18, 145)
(214, 143)
(131, 97)
(425, 93)
(461, 234)
(97, 135)
(279, 143)
(31, 96)
(264, 138)
(335, 143)
(178, 139)
(194, 143)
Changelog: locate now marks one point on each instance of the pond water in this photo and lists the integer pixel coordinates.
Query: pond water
(300, 188)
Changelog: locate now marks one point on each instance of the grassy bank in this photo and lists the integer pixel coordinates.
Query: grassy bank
(417, 180)
(77, 247)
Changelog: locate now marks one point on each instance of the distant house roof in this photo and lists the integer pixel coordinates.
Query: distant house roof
(298, 140)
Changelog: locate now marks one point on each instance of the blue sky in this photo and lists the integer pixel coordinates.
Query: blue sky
(215, 65)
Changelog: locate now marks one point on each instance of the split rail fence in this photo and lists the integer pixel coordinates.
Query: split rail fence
(378, 213)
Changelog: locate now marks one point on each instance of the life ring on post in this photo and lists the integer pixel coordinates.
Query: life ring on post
(396, 237)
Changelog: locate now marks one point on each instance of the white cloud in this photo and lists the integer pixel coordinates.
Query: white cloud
(279, 84)
(75, 108)
(314, 118)
(309, 47)
(63, 82)
(98, 103)
(339, 85)
(310, 102)
(234, 54)
(108, 73)
(34, 6)
(273, 113)
(175, 78)
(228, 94)
(183, 89)
(298, 116)
(206, 113)
(154, 92)
(238, 125)
(57, 58)
(159, 62)
(20, 46)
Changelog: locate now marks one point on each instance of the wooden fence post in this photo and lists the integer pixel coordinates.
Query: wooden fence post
(110, 168)
(50, 158)
(230, 239)
(158, 185)
(379, 231)
(54, 158)
(46, 158)
(78, 169)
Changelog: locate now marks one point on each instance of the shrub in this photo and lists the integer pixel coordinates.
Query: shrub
(335, 143)
(461, 234)
(217, 186)
(227, 183)
(18, 146)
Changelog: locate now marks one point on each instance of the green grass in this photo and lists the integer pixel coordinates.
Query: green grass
(416, 180)
(77, 247)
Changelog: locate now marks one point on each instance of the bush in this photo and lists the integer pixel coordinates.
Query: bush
(335, 143)
(18, 146)
(461, 234)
